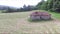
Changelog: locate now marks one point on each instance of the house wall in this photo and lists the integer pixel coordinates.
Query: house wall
(35, 17)
(45, 17)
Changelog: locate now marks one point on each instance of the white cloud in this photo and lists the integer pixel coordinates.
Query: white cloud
(18, 3)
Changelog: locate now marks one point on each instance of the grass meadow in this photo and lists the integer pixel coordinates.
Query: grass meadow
(17, 23)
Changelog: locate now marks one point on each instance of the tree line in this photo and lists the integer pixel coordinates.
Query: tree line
(24, 8)
(51, 5)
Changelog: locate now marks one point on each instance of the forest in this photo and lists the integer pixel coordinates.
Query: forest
(51, 5)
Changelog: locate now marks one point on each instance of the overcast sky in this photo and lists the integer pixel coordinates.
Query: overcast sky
(18, 3)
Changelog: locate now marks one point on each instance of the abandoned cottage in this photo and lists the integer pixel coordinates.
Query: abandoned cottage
(40, 16)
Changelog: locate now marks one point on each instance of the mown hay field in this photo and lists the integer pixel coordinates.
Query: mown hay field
(17, 23)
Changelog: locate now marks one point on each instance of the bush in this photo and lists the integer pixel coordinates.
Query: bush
(3, 11)
(57, 10)
(51, 10)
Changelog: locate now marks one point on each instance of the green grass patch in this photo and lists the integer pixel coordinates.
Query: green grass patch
(55, 15)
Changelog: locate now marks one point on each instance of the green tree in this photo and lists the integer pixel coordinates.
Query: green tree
(40, 4)
(49, 5)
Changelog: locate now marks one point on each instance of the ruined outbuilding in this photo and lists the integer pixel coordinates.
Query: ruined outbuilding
(40, 16)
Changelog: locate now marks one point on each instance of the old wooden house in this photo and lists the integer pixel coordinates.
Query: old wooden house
(40, 16)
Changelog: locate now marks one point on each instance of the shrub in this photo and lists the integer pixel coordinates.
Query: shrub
(57, 10)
